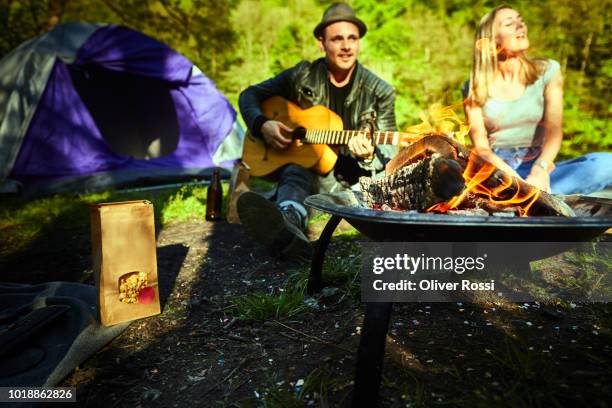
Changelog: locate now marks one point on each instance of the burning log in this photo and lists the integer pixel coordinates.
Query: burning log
(425, 147)
(484, 186)
(416, 186)
(481, 203)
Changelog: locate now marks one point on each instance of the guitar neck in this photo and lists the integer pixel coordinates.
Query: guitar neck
(341, 137)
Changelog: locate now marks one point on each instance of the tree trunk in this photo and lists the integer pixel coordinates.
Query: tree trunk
(585, 57)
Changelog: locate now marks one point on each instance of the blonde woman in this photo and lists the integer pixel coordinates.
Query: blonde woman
(514, 106)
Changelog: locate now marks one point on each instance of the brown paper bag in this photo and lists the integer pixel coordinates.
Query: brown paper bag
(124, 260)
(239, 183)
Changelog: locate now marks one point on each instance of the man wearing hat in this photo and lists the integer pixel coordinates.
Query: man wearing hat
(339, 82)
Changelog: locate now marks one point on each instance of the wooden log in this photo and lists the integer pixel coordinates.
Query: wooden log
(416, 186)
(421, 149)
(477, 202)
(545, 204)
(447, 148)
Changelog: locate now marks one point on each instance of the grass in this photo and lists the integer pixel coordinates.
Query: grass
(262, 306)
(23, 221)
(287, 302)
(582, 274)
(411, 390)
(318, 217)
(528, 375)
(314, 391)
(340, 271)
(343, 272)
(261, 184)
(316, 387)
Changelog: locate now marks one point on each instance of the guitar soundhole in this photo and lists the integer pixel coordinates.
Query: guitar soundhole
(299, 133)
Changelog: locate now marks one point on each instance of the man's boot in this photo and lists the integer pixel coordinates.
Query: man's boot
(279, 230)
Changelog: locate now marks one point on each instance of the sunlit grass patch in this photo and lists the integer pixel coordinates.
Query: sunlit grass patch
(260, 184)
(580, 274)
(318, 217)
(597, 256)
(189, 203)
(24, 221)
(347, 234)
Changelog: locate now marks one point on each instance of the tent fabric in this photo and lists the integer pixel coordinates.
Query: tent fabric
(122, 49)
(23, 76)
(63, 138)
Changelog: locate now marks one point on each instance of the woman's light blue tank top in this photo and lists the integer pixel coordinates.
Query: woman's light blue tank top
(515, 123)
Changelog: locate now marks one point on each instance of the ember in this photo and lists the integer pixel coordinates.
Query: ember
(502, 196)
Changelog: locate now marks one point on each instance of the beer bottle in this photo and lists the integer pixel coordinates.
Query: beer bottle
(214, 197)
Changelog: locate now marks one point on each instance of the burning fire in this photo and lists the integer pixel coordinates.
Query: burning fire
(476, 173)
(440, 120)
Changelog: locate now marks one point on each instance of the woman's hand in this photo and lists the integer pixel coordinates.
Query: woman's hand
(539, 178)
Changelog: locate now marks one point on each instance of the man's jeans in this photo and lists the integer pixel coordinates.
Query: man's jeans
(583, 175)
(295, 183)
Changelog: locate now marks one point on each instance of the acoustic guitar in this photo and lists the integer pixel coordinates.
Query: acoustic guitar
(315, 129)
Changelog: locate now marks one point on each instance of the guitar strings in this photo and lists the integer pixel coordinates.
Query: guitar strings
(320, 136)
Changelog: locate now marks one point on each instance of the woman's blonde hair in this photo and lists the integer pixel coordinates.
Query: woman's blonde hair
(486, 62)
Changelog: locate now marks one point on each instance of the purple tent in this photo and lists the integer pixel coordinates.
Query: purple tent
(107, 106)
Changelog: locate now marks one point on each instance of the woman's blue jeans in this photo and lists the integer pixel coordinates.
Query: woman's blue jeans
(583, 175)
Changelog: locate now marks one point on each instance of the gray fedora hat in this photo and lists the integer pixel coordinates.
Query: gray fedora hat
(339, 12)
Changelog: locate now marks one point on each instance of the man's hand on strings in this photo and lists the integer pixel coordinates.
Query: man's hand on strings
(272, 131)
(361, 147)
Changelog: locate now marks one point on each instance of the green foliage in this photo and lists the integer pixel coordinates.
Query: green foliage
(199, 29)
(422, 48)
(22, 21)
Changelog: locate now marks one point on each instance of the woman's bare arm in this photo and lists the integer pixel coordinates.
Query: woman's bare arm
(552, 123)
(480, 140)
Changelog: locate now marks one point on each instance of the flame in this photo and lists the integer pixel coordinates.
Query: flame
(475, 176)
(441, 119)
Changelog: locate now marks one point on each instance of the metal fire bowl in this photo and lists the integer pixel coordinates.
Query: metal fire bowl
(594, 218)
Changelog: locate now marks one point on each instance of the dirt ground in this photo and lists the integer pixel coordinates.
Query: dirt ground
(196, 353)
